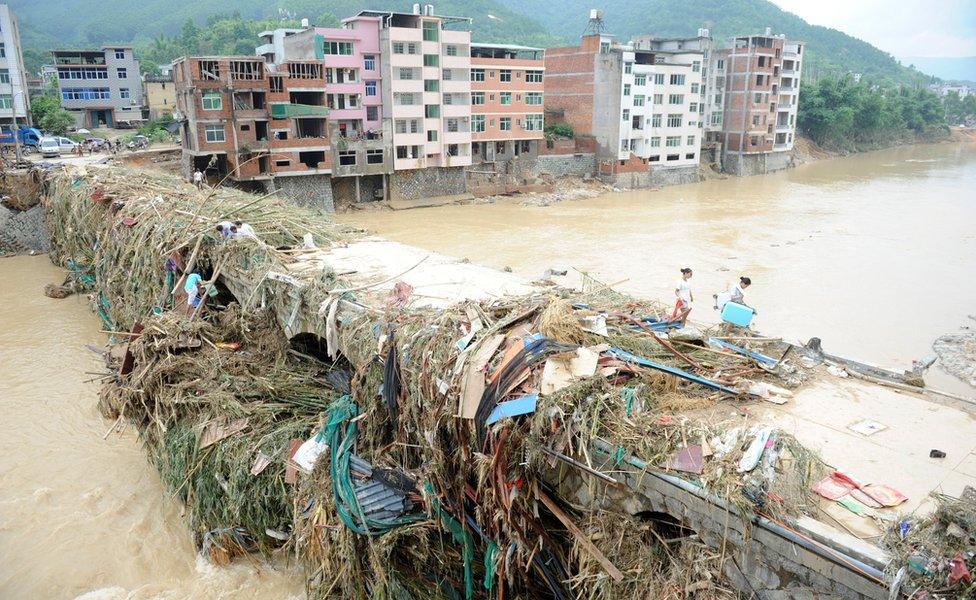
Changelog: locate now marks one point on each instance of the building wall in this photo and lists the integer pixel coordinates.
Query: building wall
(123, 109)
(688, 133)
(159, 96)
(569, 83)
(12, 93)
(517, 111)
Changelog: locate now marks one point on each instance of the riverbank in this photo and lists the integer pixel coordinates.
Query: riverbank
(805, 150)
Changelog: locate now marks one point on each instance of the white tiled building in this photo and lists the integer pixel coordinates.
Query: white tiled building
(14, 103)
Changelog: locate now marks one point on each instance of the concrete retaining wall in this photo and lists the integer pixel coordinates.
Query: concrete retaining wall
(678, 176)
(562, 165)
(759, 562)
(23, 231)
(756, 164)
(416, 184)
(312, 191)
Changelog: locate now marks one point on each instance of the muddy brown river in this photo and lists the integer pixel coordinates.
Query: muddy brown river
(875, 254)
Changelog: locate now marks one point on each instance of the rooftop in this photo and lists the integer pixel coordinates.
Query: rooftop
(387, 13)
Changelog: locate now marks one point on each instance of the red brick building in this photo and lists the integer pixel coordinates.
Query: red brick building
(243, 119)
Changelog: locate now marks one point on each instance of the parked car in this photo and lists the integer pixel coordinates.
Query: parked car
(138, 141)
(50, 147)
(67, 145)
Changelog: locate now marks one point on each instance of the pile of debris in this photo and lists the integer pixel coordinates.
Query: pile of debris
(407, 452)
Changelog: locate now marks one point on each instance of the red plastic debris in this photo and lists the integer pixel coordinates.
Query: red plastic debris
(958, 571)
(98, 195)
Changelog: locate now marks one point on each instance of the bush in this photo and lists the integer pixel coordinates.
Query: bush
(56, 121)
(559, 130)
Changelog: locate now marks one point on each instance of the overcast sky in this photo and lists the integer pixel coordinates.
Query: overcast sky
(901, 27)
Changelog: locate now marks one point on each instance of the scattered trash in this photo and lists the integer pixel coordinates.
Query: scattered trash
(837, 371)
(513, 408)
(216, 430)
(835, 486)
(958, 572)
(752, 455)
(688, 460)
(936, 453)
(867, 427)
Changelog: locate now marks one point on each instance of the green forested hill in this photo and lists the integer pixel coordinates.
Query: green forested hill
(830, 51)
(154, 26)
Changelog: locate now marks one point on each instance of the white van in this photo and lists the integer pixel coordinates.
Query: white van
(49, 147)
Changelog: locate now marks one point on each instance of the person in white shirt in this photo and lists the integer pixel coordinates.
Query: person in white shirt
(735, 294)
(243, 229)
(684, 297)
(198, 179)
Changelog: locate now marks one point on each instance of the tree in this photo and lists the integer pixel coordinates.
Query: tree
(57, 121)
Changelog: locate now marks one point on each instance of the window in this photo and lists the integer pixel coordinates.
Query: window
(477, 123)
(398, 48)
(124, 93)
(656, 120)
(374, 157)
(720, 64)
(694, 88)
(372, 113)
(277, 84)
(477, 74)
(505, 98)
(628, 67)
(693, 107)
(404, 99)
(347, 157)
(432, 85)
(450, 50)
(477, 98)
(626, 115)
(401, 151)
(716, 118)
(432, 111)
(696, 66)
(505, 123)
(659, 79)
(370, 88)
(447, 75)
(453, 125)
(120, 53)
(754, 140)
(6, 100)
(4, 75)
(691, 140)
(677, 79)
(626, 89)
(762, 61)
(430, 60)
(214, 133)
(676, 98)
(674, 156)
(448, 99)
(533, 98)
(655, 158)
(212, 101)
(430, 31)
(432, 135)
(121, 73)
(655, 142)
(755, 119)
(604, 47)
(369, 62)
(757, 98)
(674, 120)
(411, 48)
(639, 100)
(338, 48)
(672, 141)
(453, 150)
(533, 122)
(658, 99)
(624, 145)
(505, 76)
(533, 77)
(690, 156)
(640, 79)
(406, 73)
(759, 79)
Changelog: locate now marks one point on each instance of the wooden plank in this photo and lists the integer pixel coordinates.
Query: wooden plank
(580, 536)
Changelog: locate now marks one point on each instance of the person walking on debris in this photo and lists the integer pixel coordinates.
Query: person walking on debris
(194, 292)
(241, 229)
(683, 291)
(735, 294)
(226, 229)
(198, 179)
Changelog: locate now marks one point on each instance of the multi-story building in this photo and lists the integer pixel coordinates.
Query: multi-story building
(100, 88)
(14, 99)
(641, 105)
(243, 119)
(158, 96)
(506, 101)
(427, 91)
(762, 76)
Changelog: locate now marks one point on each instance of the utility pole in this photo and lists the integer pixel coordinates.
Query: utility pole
(13, 106)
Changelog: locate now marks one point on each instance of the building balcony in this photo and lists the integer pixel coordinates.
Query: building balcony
(285, 111)
(406, 34)
(456, 137)
(455, 37)
(406, 60)
(409, 139)
(456, 62)
(456, 110)
(409, 163)
(355, 87)
(454, 86)
(408, 86)
(264, 49)
(408, 111)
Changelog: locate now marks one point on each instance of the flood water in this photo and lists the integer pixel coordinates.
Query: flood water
(81, 516)
(873, 253)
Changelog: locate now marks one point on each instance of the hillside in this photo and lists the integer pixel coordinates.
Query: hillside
(830, 50)
(60, 23)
